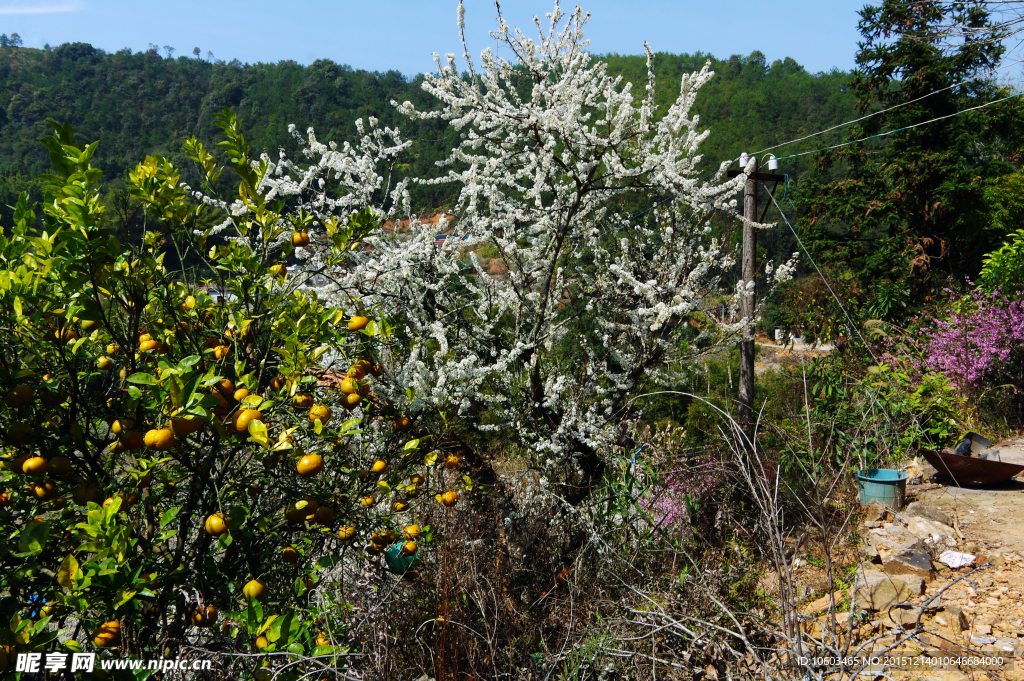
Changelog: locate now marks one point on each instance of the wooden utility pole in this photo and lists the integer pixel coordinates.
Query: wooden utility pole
(748, 307)
(747, 304)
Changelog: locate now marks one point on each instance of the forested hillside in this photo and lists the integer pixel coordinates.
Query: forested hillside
(140, 103)
(252, 422)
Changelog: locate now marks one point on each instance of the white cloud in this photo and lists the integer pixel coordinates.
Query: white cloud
(44, 7)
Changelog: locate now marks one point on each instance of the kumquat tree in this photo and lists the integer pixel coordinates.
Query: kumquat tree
(167, 438)
(301, 433)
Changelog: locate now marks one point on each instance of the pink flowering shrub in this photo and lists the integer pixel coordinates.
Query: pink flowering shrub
(980, 346)
(681, 488)
(675, 478)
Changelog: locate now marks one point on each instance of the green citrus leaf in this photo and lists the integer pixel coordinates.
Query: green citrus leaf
(66, 572)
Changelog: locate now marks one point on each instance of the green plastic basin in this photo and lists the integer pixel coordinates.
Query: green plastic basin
(397, 563)
(885, 485)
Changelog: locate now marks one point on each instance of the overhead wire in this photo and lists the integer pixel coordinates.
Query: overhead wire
(820, 274)
(892, 108)
(906, 127)
(839, 302)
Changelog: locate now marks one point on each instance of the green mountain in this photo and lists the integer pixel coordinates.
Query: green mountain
(140, 103)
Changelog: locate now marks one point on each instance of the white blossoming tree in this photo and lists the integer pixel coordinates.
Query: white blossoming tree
(553, 352)
(250, 502)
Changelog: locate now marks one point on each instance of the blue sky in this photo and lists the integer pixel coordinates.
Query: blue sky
(402, 34)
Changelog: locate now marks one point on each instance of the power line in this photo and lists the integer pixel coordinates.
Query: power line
(820, 274)
(876, 113)
(846, 314)
(907, 127)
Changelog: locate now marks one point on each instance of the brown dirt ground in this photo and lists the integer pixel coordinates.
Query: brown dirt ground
(991, 523)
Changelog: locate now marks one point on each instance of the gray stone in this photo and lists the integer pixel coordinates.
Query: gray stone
(935, 535)
(922, 510)
(874, 511)
(892, 539)
(874, 590)
(904, 618)
(1010, 646)
(955, 617)
(910, 562)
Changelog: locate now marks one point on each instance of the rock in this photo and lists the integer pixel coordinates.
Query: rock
(939, 644)
(910, 562)
(956, 617)
(814, 628)
(1008, 645)
(987, 620)
(994, 557)
(822, 604)
(892, 539)
(983, 629)
(982, 640)
(955, 559)
(904, 618)
(914, 583)
(874, 511)
(928, 472)
(918, 509)
(938, 535)
(874, 590)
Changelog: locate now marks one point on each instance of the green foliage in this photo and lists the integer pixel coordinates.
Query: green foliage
(105, 343)
(749, 104)
(1004, 267)
(139, 104)
(910, 209)
(880, 414)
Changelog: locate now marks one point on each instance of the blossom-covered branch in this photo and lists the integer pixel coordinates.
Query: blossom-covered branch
(554, 155)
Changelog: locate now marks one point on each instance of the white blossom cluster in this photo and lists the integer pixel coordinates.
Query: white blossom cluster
(356, 170)
(588, 304)
(359, 174)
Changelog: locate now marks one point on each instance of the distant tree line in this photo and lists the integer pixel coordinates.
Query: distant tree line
(138, 103)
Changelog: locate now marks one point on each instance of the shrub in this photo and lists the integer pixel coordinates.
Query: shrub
(171, 417)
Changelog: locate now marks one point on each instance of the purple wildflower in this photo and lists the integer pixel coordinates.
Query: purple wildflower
(981, 343)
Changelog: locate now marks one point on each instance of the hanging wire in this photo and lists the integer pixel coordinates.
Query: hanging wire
(842, 307)
(906, 127)
(877, 113)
